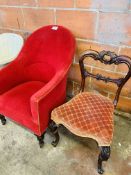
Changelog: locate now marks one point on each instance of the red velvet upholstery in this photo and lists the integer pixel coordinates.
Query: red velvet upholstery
(35, 82)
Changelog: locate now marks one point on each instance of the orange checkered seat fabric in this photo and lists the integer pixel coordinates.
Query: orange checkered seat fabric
(87, 115)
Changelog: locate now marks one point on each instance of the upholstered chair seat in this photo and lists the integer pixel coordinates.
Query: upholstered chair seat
(19, 105)
(87, 115)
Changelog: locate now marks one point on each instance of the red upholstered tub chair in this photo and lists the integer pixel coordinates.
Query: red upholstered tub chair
(35, 82)
(89, 114)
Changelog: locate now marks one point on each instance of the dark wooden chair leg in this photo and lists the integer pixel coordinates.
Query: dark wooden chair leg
(41, 140)
(54, 130)
(3, 120)
(103, 156)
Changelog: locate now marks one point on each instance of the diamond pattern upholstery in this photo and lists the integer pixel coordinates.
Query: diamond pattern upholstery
(87, 115)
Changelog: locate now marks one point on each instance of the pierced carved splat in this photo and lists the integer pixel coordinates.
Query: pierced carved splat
(103, 78)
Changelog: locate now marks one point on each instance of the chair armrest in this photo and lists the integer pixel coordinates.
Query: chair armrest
(46, 94)
(39, 95)
(10, 76)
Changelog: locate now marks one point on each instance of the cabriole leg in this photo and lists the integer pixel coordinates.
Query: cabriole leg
(103, 156)
(3, 120)
(54, 130)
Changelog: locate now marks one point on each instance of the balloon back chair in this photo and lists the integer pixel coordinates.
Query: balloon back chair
(89, 114)
(35, 82)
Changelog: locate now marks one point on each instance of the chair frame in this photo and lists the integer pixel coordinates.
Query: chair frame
(105, 151)
(120, 82)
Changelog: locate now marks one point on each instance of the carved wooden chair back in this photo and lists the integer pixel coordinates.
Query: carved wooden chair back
(107, 58)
